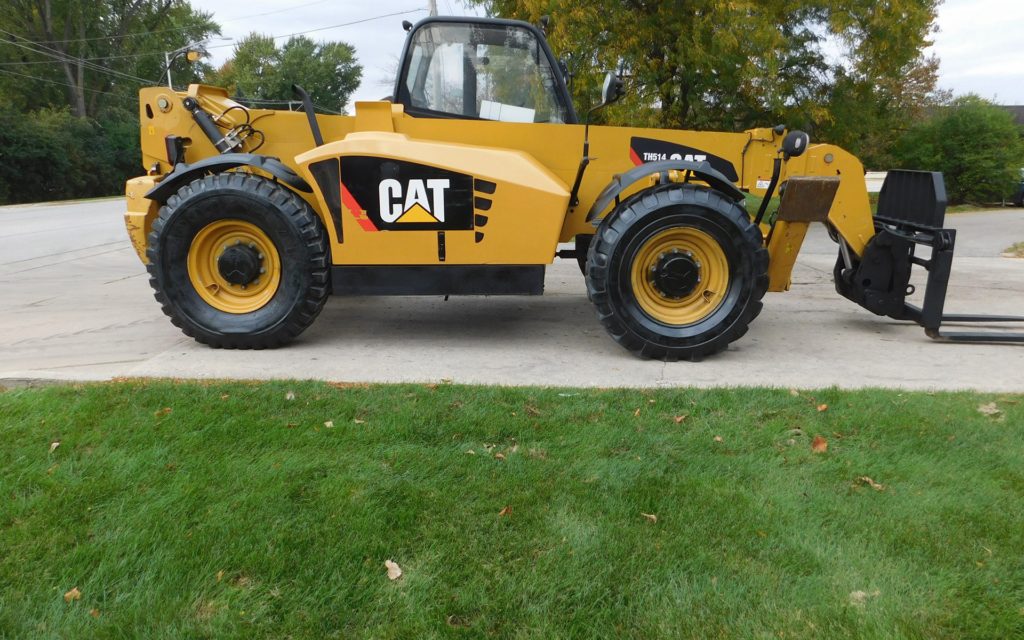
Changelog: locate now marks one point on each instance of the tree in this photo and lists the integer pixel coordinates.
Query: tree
(974, 143)
(89, 55)
(726, 64)
(261, 71)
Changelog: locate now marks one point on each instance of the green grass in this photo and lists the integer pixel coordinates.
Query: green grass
(1015, 250)
(189, 510)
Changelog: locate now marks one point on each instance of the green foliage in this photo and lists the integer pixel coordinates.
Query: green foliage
(87, 55)
(726, 65)
(261, 71)
(974, 143)
(52, 155)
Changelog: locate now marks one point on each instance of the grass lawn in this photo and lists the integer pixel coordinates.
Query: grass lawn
(191, 510)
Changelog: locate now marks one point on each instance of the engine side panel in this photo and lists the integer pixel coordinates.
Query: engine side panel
(405, 201)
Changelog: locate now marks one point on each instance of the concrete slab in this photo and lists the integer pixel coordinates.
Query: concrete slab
(75, 304)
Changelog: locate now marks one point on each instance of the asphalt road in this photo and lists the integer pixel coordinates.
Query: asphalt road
(75, 304)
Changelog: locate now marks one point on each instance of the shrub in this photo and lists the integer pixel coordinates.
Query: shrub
(52, 155)
(974, 143)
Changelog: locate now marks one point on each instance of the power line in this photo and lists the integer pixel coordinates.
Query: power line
(257, 15)
(63, 57)
(63, 84)
(60, 56)
(358, 22)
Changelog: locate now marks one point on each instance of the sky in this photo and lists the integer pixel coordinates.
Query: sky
(978, 41)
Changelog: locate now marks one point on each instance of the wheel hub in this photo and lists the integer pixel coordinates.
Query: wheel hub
(676, 274)
(239, 264)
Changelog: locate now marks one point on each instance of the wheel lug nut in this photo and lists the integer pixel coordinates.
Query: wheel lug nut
(261, 256)
(252, 245)
(238, 242)
(262, 270)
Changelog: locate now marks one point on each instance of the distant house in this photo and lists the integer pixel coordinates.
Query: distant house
(1017, 111)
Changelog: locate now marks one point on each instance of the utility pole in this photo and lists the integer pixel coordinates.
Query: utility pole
(432, 6)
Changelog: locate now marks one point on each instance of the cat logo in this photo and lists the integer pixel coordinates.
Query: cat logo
(422, 202)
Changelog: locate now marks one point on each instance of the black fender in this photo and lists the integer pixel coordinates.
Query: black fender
(185, 173)
(701, 170)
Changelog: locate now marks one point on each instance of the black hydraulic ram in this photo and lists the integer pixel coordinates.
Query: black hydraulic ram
(225, 142)
(911, 212)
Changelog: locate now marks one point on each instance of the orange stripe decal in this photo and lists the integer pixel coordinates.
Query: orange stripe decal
(358, 212)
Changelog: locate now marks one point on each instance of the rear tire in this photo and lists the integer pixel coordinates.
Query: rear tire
(280, 281)
(642, 303)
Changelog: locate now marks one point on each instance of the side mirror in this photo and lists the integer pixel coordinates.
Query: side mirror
(795, 143)
(563, 67)
(612, 89)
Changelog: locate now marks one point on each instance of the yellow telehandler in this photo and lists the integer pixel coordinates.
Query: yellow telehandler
(467, 179)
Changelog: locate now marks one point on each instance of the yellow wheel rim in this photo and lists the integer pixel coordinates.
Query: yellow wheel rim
(207, 247)
(708, 294)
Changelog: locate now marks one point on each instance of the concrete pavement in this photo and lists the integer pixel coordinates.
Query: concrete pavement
(75, 304)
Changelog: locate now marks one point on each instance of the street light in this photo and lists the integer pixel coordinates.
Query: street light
(193, 51)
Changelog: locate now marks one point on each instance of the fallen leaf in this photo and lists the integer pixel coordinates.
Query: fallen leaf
(358, 421)
(471, 452)
(794, 393)
(394, 571)
(224, 396)
(54, 445)
(819, 445)
(679, 419)
(650, 517)
(94, 613)
(822, 407)
(796, 432)
(456, 621)
(636, 414)
(718, 438)
(499, 456)
(162, 412)
(74, 594)
(329, 424)
(990, 409)
(567, 395)
(505, 511)
(532, 411)
(290, 395)
(871, 483)
(220, 575)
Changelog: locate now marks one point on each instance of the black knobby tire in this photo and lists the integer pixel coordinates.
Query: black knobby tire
(639, 219)
(582, 249)
(283, 217)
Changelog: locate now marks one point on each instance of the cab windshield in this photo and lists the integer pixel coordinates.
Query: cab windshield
(486, 71)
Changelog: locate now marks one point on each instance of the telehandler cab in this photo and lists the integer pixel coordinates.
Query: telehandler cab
(469, 177)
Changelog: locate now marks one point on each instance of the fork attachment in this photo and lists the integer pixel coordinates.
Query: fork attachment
(911, 212)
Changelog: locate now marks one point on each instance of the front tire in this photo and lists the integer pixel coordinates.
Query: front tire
(677, 272)
(239, 262)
